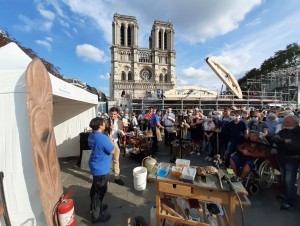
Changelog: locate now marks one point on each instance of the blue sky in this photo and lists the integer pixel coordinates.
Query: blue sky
(75, 35)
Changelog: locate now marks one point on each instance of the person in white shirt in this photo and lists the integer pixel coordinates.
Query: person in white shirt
(134, 122)
(209, 135)
(168, 121)
(114, 128)
(142, 120)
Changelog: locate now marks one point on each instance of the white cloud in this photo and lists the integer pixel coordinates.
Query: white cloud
(64, 23)
(34, 24)
(105, 77)
(181, 82)
(196, 21)
(195, 73)
(45, 13)
(247, 53)
(89, 52)
(238, 39)
(67, 33)
(44, 43)
(56, 5)
(49, 39)
(254, 22)
(99, 11)
(46, 26)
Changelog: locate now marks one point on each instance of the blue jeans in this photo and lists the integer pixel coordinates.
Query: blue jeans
(231, 148)
(240, 162)
(288, 170)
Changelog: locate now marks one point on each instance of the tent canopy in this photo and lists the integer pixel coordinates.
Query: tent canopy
(73, 108)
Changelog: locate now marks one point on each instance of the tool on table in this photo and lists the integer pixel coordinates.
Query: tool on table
(220, 179)
(227, 179)
(170, 210)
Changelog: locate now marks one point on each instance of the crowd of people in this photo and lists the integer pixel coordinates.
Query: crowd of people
(238, 136)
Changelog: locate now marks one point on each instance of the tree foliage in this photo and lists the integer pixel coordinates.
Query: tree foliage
(5, 38)
(282, 59)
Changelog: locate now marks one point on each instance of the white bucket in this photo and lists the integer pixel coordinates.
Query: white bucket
(140, 178)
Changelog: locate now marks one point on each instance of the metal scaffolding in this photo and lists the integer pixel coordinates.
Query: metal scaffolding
(284, 82)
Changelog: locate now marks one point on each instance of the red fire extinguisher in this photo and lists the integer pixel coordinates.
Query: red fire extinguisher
(65, 211)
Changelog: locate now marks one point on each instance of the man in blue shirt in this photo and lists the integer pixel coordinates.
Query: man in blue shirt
(225, 132)
(99, 162)
(238, 131)
(156, 128)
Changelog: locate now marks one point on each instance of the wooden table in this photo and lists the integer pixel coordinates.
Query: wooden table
(209, 191)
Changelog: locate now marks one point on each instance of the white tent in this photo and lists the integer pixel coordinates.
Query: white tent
(73, 108)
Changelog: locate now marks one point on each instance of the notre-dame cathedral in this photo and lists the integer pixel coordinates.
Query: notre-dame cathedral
(140, 72)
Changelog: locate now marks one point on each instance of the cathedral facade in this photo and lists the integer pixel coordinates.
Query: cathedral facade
(138, 73)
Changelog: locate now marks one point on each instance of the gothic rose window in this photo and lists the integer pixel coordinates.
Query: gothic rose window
(145, 74)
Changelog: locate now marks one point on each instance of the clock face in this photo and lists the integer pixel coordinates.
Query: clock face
(145, 74)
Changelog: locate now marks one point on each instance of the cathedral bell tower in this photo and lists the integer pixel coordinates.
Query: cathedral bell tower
(140, 72)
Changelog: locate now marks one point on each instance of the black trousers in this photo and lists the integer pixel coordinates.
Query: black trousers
(97, 192)
(154, 140)
(167, 136)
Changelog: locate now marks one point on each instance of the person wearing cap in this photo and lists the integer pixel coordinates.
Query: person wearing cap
(288, 157)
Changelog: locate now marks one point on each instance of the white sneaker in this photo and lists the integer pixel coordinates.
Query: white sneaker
(206, 158)
(210, 159)
(192, 152)
(198, 153)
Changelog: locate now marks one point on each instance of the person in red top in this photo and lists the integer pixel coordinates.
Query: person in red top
(148, 117)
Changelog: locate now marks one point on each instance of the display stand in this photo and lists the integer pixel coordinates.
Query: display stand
(84, 145)
(204, 191)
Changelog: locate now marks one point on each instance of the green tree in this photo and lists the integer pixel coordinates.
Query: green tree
(286, 58)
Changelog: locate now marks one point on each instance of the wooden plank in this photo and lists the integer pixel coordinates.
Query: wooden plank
(175, 189)
(209, 191)
(226, 76)
(232, 209)
(40, 111)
